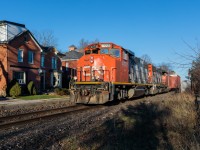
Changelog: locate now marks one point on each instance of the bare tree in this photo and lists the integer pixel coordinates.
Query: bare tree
(185, 58)
(146, 58)
(83, 43)
(191, 60)
(194, 73)
(165, 67)
(46, 38)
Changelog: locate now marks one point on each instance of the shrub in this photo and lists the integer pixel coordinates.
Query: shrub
(60, 91)
(57, 90)
(15, 90)
(31, 88)
(10, 85)
(66, 91)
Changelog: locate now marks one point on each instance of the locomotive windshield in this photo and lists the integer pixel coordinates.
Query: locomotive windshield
(104, 51)
(114, 52)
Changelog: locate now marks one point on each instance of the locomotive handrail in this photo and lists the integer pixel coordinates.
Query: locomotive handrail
(93, 71)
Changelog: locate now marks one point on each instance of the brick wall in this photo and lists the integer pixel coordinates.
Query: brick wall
(25, 43)
(3, 69)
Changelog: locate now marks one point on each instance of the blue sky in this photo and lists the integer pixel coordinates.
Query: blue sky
(153, 27)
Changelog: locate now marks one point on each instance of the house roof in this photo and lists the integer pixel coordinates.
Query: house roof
(31, 35)
(8, 30)
(72, 55)
(46, 49)
(9, 22)
(72, 45)
(61, 54)
(21, 34)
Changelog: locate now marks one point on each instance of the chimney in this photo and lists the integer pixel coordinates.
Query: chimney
(72, 48)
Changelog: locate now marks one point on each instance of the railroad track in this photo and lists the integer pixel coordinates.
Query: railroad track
(14, 121)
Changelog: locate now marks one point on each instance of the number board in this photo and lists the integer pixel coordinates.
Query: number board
(105, 45)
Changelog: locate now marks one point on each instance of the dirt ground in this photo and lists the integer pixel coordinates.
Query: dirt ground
(133, 124)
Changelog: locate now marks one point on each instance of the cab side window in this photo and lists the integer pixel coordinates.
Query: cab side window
(125, 55)
(87, 52)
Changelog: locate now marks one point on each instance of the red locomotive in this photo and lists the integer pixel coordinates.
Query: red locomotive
(107, 72)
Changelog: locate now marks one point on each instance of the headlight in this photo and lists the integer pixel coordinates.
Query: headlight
(75, 78)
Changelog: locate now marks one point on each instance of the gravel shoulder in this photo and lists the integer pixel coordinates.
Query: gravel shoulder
(17, 106)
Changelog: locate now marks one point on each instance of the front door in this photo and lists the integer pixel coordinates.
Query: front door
(42, 81)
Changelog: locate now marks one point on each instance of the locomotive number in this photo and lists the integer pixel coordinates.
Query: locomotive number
(105, 45)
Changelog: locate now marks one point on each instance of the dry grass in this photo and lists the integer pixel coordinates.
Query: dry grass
(182, 123)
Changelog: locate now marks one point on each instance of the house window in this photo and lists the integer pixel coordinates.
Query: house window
(42, 60)
(67, 66)
(54, 63)
(20, 77)
(20, 55)
(30, 57)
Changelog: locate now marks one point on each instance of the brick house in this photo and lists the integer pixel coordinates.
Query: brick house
(22, 58)
(69, 64)
(51, 69)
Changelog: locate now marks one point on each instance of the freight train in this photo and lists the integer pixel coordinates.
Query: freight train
(108, 72)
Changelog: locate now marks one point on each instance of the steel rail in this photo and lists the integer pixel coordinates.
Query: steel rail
(12, 121)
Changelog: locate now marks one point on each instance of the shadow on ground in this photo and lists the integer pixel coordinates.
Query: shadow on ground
(137, 127)
(4, 98)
